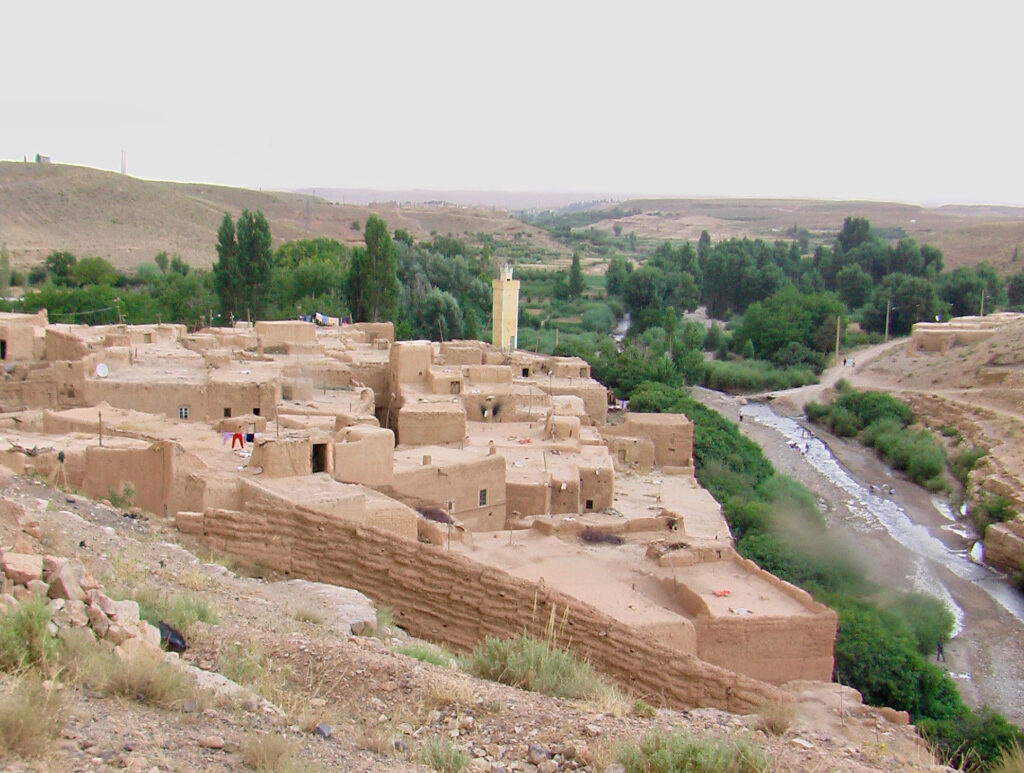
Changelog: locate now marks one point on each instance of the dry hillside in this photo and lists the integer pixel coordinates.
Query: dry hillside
(378, 709)
(966, 235)
(47, 207)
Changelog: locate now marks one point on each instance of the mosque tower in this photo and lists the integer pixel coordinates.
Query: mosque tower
(505, 310)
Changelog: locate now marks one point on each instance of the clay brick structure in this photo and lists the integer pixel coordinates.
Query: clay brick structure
(313, 451)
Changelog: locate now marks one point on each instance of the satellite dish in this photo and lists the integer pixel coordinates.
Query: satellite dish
(102, 371)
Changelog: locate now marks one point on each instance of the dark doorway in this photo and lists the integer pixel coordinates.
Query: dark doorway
(319, 457)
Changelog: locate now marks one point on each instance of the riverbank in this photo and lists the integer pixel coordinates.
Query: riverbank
(987, 656)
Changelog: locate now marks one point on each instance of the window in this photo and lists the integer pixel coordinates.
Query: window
(182, 411)
(318, 458)
(227, 413)
(589, 504)
(455, 387)
(526, 372)
(3, 349)
(255, 411)
(483, 497)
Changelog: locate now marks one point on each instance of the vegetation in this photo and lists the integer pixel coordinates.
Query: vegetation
(428, 653)
(883, 639)
(444, 756)
(677, 752)
(533, 664)
(30, 717)
(25, 641)
(372, 288)
(270, 753)
(242, 271)
(882, 422)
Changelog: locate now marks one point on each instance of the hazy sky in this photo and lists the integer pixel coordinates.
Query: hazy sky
(913, 101)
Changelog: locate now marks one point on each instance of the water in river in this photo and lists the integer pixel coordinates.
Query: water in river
(871, 510)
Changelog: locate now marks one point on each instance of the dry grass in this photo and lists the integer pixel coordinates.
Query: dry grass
(145, 677)
(776, 717)
(378, 738)
(30, 717)
(1011, 760)
(270, 753)
(308, 616)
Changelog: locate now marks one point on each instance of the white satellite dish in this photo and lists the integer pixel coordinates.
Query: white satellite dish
(102, 371)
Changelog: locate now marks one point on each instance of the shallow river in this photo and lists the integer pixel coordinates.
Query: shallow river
(868, 509)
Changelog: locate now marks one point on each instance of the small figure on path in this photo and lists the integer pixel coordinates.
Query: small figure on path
(940, 654)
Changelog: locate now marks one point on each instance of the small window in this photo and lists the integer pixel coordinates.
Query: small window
(583, 372)
(455, 387)
(227, 413)
(589, 504)
(182, 411)
(147, 338)
(255, 411)
(483, 497)
(3, 348)
(526, 372)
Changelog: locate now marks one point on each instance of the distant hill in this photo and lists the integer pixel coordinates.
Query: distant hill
(966, 234)
(47, 207)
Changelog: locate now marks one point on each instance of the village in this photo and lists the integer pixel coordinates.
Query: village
(262, 440)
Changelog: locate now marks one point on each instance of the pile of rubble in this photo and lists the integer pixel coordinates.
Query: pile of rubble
(73, 595)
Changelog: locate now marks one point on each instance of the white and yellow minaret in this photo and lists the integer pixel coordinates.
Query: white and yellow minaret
(505, 310)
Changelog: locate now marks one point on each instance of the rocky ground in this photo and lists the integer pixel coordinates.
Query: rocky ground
(351, 703)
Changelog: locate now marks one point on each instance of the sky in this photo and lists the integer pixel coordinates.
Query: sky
(897, 101)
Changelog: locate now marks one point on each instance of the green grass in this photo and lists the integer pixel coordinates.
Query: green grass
(677, 752)
(179, 610)
(537, 665)
(428, 653)
(25, 641)
(444, 756)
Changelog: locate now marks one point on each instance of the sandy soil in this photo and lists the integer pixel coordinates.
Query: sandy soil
(987, 658)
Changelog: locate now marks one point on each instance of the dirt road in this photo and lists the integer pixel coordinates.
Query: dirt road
(926, 552)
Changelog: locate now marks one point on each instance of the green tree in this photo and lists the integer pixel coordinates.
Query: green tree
(59, 265)
(162, 261)
(855, 232)
(616, 275)
(254, 262)
(227, 280)
(1015, 290)
(5, 271)
(372, 287)
(576, 284)
(854, 286)
(92, 271)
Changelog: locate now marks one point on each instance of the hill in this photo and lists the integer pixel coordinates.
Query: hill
(289, 645)
(47, 207)
(967, 235)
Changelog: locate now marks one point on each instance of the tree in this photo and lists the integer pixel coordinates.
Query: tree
(227, 281)
(59, 264)
(5, 271)
(616, 274)
(254, 261)
(162, 261)
(576, 284)
(856, 231)
(1015, 290)
(854, 286)
(372, 287)
(92, 271)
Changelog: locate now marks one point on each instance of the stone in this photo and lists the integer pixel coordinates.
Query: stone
(592, 730)
(8, 603)
(38, 588)
(535, 755)
(30, 525)
(211, 742)
(98, 620)
(615, 767)
(66, 581)
(126, 611)
(21, 568)
(150, 633)
(548, 766)
(894, 716)
(118, 633)
(323, 730)
(801, 742)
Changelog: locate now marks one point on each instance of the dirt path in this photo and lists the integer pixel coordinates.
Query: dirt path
(987, 657)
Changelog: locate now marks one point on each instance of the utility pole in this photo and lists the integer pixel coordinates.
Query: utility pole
(839, 327)
(982, 314)
(888, 310)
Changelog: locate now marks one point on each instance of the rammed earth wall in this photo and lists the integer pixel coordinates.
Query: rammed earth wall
(452, 599)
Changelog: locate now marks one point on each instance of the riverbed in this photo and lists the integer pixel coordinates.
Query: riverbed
(905, 538)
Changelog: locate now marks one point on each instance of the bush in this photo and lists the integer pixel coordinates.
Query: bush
(972, 742)
(661, 752)
(178, 610)
(270, 753)
(24, 638)
(428, 653)
(444, 756)
(533, 664)
(993, 508)
(30, 717)
(963, 464)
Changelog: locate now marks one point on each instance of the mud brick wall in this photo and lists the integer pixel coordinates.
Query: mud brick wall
(449, 598)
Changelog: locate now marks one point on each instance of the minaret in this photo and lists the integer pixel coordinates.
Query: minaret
(505, 310)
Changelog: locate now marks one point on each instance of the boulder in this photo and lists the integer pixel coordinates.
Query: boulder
(38, 588)
(21, 568)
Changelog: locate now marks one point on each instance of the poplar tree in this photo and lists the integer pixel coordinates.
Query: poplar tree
(576, 284)
(225, 271)
(255, 261)
(372, 287)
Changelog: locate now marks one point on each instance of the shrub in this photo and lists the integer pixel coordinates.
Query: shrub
(844, 422)
(776, 717)
(963, 464)
(661, 752)
(147, 678)
(927, 617)
(972, 742)
(30, 717)
(534, 664)
(270, 753)
(24, 638)
(178, 610)
(1010, 760)
(428, 653)
(444, 756)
